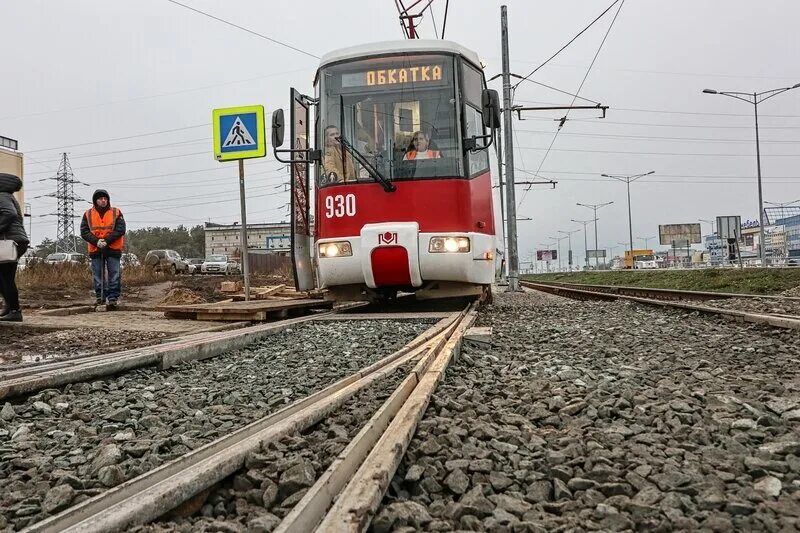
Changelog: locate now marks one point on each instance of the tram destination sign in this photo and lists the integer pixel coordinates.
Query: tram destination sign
(393, 76)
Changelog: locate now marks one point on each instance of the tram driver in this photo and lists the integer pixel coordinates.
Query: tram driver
(420, 148)
(337, 165)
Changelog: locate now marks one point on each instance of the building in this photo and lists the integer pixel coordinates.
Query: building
(791, 230)
(224, 239)
(11, 163)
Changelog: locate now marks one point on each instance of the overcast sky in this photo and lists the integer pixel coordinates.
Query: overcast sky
(81, 75)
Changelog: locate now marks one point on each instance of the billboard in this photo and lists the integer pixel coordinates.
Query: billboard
(546, 255)
(667, 233)
(596, 254)
(279, 243)
(11, 163)
(729, 227)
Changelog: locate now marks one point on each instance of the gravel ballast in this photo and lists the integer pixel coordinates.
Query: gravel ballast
(258, 497)
(62, 446)
(607, 416)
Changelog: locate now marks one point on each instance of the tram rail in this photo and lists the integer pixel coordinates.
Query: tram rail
(388, 433)
(665, 294)
(581, 292)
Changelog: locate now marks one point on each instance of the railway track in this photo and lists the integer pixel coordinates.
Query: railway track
(148, 496)
(29, 379)
(664, 294)
(675, 299)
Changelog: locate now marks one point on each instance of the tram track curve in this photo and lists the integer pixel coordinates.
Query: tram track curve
(668, 299)
(150, 495)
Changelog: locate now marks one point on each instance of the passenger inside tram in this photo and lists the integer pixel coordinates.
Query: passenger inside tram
(337, 164)
(420, 148)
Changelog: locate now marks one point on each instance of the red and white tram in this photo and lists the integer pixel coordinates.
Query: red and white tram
(402, 195)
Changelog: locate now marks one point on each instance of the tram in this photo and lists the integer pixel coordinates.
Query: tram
(402, 192)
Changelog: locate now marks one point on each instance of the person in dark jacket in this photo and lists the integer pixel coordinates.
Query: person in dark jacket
(11, 228)
(103, 229)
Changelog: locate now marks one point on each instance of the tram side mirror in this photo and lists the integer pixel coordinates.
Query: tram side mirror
(278, 126)
(490, 101)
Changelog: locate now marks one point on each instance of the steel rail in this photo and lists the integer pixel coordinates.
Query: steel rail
(779, 321)
(197, 346)
(383, 441)
(146, 497)
(666, 294)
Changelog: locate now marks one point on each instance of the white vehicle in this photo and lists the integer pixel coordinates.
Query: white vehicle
(61, 258)
(216, 264)
(645, 262)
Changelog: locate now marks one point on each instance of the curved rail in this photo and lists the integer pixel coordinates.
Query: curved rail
(663, 294)
(778, 321)
(145, 498)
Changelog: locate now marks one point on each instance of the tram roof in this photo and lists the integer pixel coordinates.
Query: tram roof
(393, 47)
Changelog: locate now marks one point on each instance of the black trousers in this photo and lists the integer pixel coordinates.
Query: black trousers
(8, 286)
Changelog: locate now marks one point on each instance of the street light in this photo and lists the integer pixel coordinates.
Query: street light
(585, 240)
(782, 204)
(709, 222)
(558, 240)
(569, 242)
(646, 240)
(755, 99)
(595, 207)
(628, 180)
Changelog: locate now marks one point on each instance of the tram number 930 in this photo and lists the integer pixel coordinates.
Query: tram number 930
(340, 205)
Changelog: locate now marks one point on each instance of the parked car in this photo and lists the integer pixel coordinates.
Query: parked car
(166, 261)
(194, 264)
(28, 259)
(62, 258)
(218, 264)
(130, 260)
(793, 262)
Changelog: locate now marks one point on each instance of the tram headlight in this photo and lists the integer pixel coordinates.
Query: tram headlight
(449, 245)
(335, 249)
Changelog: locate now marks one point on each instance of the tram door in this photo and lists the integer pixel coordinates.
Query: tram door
(301, 223)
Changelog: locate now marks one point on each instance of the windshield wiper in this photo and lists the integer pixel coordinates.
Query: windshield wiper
(373, 172)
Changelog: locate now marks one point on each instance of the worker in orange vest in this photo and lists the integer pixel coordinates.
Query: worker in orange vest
(103, 228)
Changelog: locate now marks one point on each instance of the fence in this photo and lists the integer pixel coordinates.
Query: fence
(266, 263)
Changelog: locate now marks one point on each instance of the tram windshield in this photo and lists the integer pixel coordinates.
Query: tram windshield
(399, 114)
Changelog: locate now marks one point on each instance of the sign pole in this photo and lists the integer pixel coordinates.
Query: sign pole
(245, 261)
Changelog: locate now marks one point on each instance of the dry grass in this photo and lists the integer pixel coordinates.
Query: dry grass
(41, 276)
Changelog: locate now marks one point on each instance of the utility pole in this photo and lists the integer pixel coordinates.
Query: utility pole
(65, 194)
(569, 243)
(628, 180)
(511, 202)
(755, 99)
(499, 148)
(595, 207)
(585, 240)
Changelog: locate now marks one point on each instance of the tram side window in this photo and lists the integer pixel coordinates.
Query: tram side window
(477, 162)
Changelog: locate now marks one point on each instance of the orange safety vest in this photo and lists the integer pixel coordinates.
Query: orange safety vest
(102, 226)
(432, 154)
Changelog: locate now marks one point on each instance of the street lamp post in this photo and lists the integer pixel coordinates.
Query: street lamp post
(646, 240)
(755, 99)
(569, 243)
(558, 240)
(709, 222)
(585, 240)
(628, 180)
(595, 207)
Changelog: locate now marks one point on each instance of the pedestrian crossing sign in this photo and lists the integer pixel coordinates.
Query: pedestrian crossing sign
(239, 133)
